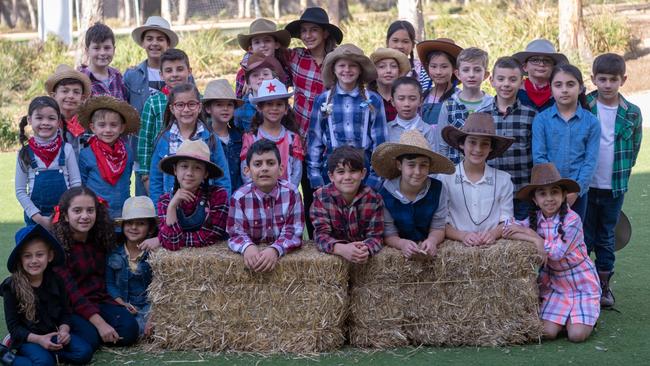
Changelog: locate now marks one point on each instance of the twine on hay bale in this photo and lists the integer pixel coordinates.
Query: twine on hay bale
(464, 296)
(205, 299)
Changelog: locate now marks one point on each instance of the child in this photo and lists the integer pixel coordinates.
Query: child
(390, 65)
(174, 70)
(407, 97)
(275, 122)
(348, 216)
(100, 49)
(36, 306)
(46, 167)
(266, 211)
(480, 197)
(439, 56)
(620, 141)
(569, 290)
(194, 213)
(219, 102)
(70, 88)
(106, 164)
(471, 71)
(83, 227)
(538, 61)
(347, 114)
(182, 122)
(513, 119)
(568, 135)
(401, 36)
(415, 205)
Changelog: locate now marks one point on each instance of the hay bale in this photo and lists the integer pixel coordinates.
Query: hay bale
(205, 299)
(464, 296)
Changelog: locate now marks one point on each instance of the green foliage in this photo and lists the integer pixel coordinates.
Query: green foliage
(607, 33)
(8, 134)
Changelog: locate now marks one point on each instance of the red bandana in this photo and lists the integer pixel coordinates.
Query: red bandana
(46, 152)
(539, 96)
(111, 161)
(74, 127)
(165, 90)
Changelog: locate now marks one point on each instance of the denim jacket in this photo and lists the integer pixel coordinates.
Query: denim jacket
(233, 150)
(121, 282)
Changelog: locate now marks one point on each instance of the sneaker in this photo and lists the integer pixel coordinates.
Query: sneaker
(6, 341)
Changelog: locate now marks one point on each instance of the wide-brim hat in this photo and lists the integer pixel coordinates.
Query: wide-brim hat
(446, 45)
(263, 27)
(622, 232)
(67, 72)
(158, 24)
(541, 47)
(128, 113)
(478, 124)
(258, 59)
(351, 52)
(410, 142)
(220, 89)
(24, 235)
(544, 175)
(383, 53)
(193, 150)
(137, 207)
(270, 90)
(317, 16)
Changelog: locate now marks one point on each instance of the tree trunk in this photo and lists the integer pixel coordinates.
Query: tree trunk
(14, 13)
(240, 8)
(276, 9)
(338, 11)
(572, 33)
(411, 10)
(6, 15)
(32, 14)
(182, 11)
(91, 11)
(127, 12)
(166, 10)
(247, 8)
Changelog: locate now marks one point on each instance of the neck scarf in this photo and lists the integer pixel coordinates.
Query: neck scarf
(47, 151)
(165, 90)
(539, 96)
(111, 161)
(74, 127)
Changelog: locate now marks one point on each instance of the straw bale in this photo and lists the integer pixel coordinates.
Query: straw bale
(464, 296)
(205, 299)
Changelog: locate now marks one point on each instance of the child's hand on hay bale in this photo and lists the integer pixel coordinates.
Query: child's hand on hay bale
(409, 248)
(429, 247)
(251, 255)
(263, 261)
(472, 239)
(487, 238)
(355, 252)
(519, 232)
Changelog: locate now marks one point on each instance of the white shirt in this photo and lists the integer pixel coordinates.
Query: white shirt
(603, 174)
(398, 126)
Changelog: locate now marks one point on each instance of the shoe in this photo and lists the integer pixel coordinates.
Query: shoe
(607, 299)
(6, 341)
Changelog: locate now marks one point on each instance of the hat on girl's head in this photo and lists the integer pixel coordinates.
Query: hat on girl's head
(478, 124)
(263, 27)
(545, 175)
(541, 47)
(319, 17)
(67, 72)
(257, 60)
(271, 90)
(128, 113)
(220, 89)
(411, 142)
(158, 24)
(138, 207)
(191, 150)
(24, 235)
(384, 53)
(351, 52)
(446, 45)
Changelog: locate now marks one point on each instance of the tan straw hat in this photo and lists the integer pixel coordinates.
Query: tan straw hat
(220, 89)
(478, 124)
(128, 113)
(138, 207)
(540, 47)
(383, 53)
(67, 72)
(158, 24)
(257, 60)
(193, 150)
(262, 27)
(351, 52)
(544, 175)
(411, 142)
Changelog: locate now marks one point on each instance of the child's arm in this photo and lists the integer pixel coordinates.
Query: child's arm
(540, 150)
(636, 137)
(588, 168)
(74, 178)
(84, 166)
(237, 227)
(443, 120)
(218, 156)
(315, 143)
(80, 304)
(375, 227)
(295, 159)
(246, 140)
(21, 180)
(155, 174)
(15, 326)
(291, 234)
(555, 247)
(430, 244)
(392, 239)
(466, 237)
(322, 221)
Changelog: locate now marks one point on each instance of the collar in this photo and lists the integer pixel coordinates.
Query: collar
(41, 141)
(331, 190)
(461, 177)
(509, 110)
(175, 133)
(353, 93)
(555, 219)
(274, 194)
(592, 99)
(261, 132)
(556, 113)
(392, 186)
(407, 124)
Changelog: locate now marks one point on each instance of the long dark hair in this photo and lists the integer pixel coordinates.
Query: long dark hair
(402, 25)
(288, 121)
(35, 105)
(575, 72)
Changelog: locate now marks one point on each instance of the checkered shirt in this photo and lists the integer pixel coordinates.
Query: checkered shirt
(308, 84)
(115, 88)
(151, 122)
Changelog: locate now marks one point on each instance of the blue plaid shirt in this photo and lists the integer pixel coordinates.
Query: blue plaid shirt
(244, 114)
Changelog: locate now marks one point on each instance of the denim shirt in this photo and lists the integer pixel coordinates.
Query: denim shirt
(136, 80)
(232, 150)
(121, 282)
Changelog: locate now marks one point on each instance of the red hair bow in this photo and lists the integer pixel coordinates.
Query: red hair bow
(102, 201)
(57, 214)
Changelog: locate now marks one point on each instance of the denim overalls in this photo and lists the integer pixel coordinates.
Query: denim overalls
(195, 220)
(49, 185)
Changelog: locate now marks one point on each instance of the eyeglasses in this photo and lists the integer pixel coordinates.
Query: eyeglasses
(541, 61)
(192, 106)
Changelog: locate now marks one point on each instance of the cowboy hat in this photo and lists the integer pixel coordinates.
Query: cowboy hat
(318, 16)
(478, 124)
(622, 232)
(382, 53)
(263, 27)
(128, 113)
(540, 47)
(350, 52)
(67, 72)
(544, 175)
(270, 90)
(410, 142)
(158, 24)
(445, 45)
(137, 207)
(24, 235)
(220, 90)
(192, 150)
(257, 60)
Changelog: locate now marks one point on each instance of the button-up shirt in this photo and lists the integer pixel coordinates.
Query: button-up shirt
(113, 86)
(398, 126)
(151, 122)
(308, 84)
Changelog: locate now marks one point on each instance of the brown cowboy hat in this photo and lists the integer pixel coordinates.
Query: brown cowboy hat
(543, 175)
(263, 27)
(67, 72)
(257, 60)
(128, 113)
(446, 45)
(318, 16)
(193, 150)
(351, 52)
(220, 89)
(383, 53)
(410, 142)
(478, 124)
(623, 231)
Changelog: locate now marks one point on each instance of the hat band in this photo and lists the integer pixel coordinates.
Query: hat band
(479, 130)
(193, 156)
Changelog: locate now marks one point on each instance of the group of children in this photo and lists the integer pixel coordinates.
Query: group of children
(386, 150)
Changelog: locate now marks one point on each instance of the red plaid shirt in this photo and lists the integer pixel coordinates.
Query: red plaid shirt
(308, 84)
(335, 221)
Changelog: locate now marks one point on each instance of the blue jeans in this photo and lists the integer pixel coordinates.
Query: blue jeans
(580, 207)
(77, 352)
(117, 317)
(521, 208)
(602, 216)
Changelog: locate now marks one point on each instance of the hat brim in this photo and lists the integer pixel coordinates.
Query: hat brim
(282, 36)
(557, 57)
(569, 185)
(137, 33)
(622, 232)
(167, 165)
(54, 79)
(271, 63)
(119, 220)
(368, 70)
(255, 100)
(403, 63)
(238, 102)
(384, 156)
(37, 230)
(128, 113)
(452, 136)
(294, 29)
(425, 47)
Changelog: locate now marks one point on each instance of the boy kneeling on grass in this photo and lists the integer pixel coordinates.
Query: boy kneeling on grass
(348, 216)
(267, 210)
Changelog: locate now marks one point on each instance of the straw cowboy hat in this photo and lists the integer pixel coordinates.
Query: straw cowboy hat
(544, 175)
(540, 47)
(316, 16)
(158, 24)
(128, 113)
(383, 53)
(24, 235)
(67, 72)
(263, 27)
(623, 231)
(257, 60)
(446, 45)
(271, 90)
(351, 52)
(138, 207)
(192, 150)
(478, 124)
(220, 89)
(411, 142)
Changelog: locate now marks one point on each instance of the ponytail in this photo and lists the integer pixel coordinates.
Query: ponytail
(23, 154)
